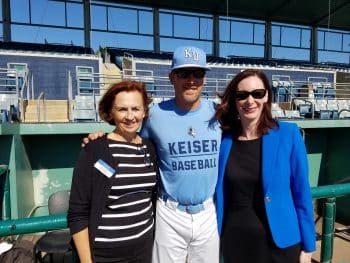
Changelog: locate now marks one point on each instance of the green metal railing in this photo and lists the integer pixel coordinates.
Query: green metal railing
(329, 192)
(33, 225)
(4, 175)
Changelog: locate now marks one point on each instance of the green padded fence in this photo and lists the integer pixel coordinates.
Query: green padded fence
(329, 192)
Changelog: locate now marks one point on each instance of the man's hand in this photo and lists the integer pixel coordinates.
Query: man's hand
(305, 257)
(92, 137)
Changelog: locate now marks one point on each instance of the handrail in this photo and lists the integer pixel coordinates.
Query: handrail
(330, 192)
(327, 191)
(42, 95)
(341, 111)
(70, 97)
(6, 210)
(20, 99)
(217, 84)
(24, 84)
(3, 168)
(33, 224)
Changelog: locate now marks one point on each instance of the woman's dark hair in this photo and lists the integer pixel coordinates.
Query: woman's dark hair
(106, 103)
(227, 113)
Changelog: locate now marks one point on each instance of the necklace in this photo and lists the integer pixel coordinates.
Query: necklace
(191, 131)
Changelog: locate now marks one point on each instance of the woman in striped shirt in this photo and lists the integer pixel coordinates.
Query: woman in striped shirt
(111, 212)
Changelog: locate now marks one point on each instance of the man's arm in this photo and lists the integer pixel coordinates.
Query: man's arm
(92, 137)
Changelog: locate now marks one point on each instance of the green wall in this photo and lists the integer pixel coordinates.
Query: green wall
(329, 160)
(41, 158)
(5, 148)
(338, 167)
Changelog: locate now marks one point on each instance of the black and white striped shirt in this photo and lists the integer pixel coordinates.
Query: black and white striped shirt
(127, 216)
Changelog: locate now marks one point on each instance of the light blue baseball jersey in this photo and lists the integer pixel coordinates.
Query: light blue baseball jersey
(188, 144)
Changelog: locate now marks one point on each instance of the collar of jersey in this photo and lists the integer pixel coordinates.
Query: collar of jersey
(182, 112)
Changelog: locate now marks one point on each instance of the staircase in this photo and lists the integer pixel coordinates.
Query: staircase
(56, 111)
(111, 74)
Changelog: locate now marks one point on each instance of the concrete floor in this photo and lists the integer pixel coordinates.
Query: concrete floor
(341, 245)
(341, 248)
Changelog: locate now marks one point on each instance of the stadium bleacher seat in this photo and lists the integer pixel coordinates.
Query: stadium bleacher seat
(292, 114)
(305, 107)
(332, 105)
(344, 114)
(343, 104)
(84, 108)
(305, 110)
(325, 114)
(334, 114)
(330, 93)
(4, 117)
(320, 109)
(277, 111)
(318, 91)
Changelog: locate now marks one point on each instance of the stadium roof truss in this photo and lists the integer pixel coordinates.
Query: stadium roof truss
(332, 14)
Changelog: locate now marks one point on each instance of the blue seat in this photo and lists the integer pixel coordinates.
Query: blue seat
(282, 94)
(319, 92)
(330, 93)
(4, 117)
(305, 110)
(335, 114)
(325, 114)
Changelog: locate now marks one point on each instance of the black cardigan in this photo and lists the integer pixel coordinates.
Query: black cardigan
(95, 184)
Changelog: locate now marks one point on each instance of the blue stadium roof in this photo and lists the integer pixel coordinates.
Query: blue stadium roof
(117, 53)
(319, 13)
(51, 48)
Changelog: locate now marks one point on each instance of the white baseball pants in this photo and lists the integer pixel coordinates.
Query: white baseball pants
(180, 235)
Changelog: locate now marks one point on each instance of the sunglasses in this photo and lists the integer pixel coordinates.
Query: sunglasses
(185, 73)
(256, 94)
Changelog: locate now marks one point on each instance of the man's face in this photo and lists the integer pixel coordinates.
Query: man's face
(188, 85)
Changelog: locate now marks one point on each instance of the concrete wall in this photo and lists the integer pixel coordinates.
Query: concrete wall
(50, 72)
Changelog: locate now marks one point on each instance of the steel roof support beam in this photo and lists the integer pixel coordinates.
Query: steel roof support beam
(87, 24)
(314, 45)
(156, 38)
(268, 41)
(216, 36)
(6, 17)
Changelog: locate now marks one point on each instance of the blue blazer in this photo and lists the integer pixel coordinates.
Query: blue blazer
(286, 188)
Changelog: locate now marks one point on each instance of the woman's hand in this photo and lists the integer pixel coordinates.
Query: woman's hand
(82, 244)
(92, 137)
(305, 257)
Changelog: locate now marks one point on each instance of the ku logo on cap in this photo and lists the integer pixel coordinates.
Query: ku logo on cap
(191, 54)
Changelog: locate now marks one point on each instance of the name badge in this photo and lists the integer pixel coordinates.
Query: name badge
(104, 168)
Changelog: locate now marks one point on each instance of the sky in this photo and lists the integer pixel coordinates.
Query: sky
(238, 37)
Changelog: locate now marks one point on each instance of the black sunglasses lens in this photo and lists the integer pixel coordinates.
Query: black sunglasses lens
(184, 74)
(256, 94)
(198, 74)
(242, 95)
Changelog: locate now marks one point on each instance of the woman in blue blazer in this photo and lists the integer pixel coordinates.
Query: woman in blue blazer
(263, 197)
